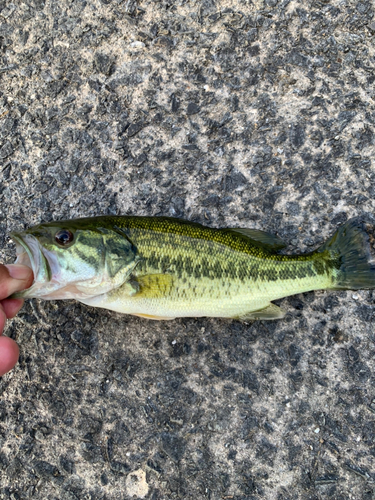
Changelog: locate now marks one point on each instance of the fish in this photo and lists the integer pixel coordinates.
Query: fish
(164, 268)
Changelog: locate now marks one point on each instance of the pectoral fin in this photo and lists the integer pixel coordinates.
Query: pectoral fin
(150, 286)
(270, 312)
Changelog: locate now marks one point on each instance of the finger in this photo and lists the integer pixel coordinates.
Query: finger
(9, 354)
(14, 278)
(11, 306)
(3, 319)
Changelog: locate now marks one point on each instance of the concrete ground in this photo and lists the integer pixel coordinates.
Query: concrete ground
(234, 114)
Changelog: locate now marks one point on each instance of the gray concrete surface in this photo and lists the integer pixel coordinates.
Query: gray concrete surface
(254, 114)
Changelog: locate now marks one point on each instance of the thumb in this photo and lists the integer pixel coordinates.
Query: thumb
(13, 278)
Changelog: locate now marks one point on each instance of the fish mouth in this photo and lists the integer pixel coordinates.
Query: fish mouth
(30, 253)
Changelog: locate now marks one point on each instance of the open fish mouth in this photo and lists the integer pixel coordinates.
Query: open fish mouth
(30, 253)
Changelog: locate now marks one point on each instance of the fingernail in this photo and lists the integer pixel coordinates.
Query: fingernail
(18, 272)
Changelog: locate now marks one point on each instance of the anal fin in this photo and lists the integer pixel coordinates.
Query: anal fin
(270, 312)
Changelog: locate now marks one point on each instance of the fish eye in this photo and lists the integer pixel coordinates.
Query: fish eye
(64, 237)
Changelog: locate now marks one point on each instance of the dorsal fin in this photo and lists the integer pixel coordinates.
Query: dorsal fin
(259, 238)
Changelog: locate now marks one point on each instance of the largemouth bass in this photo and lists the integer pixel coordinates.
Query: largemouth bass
(164, 268)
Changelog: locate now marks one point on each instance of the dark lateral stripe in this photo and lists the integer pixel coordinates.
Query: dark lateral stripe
(185, 266)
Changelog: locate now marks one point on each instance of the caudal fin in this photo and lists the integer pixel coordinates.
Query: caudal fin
(352, 251)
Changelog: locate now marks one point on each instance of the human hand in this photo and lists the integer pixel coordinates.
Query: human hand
(13, 278)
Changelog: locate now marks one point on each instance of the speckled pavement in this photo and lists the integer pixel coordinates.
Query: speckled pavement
(240, 114)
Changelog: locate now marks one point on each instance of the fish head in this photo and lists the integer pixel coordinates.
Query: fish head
(71, 259)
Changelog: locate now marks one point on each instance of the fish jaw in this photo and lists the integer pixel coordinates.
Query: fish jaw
(29, 253)
(48, 283)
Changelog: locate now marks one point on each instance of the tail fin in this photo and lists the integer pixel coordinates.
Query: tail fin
(352, 252)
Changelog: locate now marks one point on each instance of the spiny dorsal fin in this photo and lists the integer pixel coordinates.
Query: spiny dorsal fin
(260, 238)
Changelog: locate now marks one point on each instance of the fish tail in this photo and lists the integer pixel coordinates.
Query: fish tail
(351, 252)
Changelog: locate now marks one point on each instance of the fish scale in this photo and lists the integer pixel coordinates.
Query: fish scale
(162, 268)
